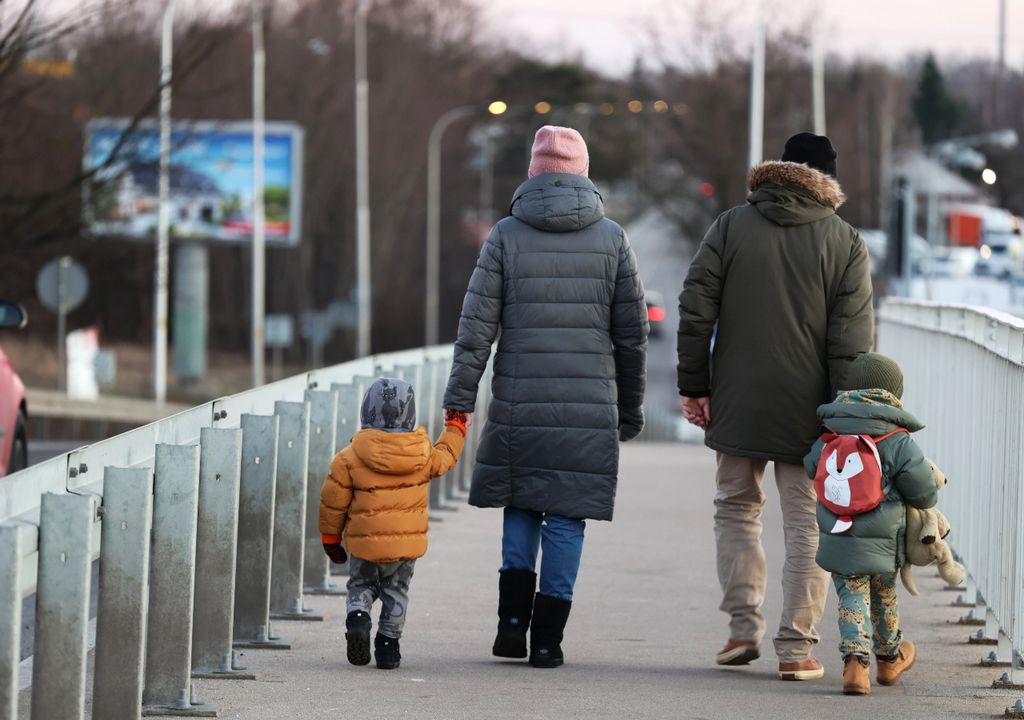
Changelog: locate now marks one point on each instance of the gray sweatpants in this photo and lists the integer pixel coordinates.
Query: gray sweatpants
(388, 581)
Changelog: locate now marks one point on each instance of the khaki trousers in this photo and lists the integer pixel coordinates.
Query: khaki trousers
(742, 571)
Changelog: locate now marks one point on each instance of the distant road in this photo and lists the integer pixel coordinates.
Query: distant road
(41, 450)
(663, 260)
(137, 411)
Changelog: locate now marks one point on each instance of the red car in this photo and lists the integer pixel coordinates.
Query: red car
(13, 408)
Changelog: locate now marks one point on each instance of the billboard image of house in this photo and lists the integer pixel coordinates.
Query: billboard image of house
(211, 180)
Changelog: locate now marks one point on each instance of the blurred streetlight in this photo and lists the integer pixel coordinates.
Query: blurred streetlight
(660, 106)
(164, 215)
(635, 106)
(818, 81)
(432, 320)
(542, 108)
(756, 149)
(259, 227)
(606, 108)
(364, 292)
(988, 176)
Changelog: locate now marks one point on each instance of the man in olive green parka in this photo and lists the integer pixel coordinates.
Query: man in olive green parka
(776, 304)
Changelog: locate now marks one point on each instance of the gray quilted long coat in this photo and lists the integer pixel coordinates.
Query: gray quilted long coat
(559, 281)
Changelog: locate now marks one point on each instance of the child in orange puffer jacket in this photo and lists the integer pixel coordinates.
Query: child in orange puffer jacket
(375, 501)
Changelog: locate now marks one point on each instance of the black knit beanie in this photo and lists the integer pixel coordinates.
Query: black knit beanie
(874, 370)
(813, 150)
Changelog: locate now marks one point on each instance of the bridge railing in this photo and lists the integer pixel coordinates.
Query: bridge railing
(964, 369)
(164, 508)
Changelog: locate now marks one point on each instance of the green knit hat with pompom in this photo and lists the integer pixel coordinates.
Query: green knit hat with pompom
(874, 370)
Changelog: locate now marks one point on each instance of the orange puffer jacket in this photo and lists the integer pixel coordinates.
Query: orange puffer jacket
(376, 492)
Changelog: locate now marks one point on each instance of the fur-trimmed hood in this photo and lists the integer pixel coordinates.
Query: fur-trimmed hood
(789, 193)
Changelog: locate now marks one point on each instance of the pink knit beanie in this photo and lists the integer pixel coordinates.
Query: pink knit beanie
(559, 150)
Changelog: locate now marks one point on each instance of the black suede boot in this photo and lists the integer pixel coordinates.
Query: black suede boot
(357, 633)
(549, 617)
(515, 606)
(386, 650)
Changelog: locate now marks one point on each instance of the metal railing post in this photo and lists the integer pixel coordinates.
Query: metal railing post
(62, 606)
(323, 406)
(10, 618)
(430, 378)
(172, 583)
(256, 534)
(123, 593)
(290, 513)
(450, 482)
(220, 469)
(350, 397)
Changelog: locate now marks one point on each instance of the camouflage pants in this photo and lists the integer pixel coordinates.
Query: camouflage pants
(388, 581)
(868, 615)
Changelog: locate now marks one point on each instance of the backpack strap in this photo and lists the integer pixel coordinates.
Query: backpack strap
(873, 443)
(888, 435)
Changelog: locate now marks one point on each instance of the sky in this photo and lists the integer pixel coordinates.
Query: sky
(610, 34)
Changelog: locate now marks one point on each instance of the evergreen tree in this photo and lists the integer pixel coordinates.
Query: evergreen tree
(938, 113)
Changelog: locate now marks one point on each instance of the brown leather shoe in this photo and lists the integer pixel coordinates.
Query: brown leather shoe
(857, 676)
(738, 652)
(890, 672)
(807, 669)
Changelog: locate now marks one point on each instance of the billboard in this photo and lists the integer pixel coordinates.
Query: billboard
(211, 180)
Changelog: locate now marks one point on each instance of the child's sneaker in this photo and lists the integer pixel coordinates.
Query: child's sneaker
(890, 670)
(386, 650)
(357, 633)
(857, 675)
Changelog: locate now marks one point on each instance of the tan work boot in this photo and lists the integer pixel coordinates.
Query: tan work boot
(807, 669)
(857, 675)
(890, 672)
(738, 652)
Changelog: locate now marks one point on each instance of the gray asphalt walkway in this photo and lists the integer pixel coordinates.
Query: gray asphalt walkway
(640, 642)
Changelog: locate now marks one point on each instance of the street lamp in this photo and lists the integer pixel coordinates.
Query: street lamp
(164, 215)
(259, 227)
(364, 293)
(432, 322)
(988, 176)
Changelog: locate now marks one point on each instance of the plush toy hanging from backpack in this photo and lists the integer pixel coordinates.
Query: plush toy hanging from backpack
(849, 480)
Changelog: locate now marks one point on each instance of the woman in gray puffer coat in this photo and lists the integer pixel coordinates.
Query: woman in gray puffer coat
(560, 282)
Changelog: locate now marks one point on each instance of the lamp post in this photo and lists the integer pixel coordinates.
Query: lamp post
(818, 81)
(757, 89)
(164, 215)
(259, 229)
(364, 292)
(434, 210)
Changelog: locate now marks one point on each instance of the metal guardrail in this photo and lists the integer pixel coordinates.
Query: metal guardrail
(964, 369)
(164, 507)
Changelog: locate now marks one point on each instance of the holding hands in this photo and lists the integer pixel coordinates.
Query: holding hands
(697, 411)
(457, 419)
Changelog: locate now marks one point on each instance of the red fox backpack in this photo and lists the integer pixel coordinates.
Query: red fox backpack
(849, 479)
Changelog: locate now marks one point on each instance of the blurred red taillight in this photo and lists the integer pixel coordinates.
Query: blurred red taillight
(655, 313)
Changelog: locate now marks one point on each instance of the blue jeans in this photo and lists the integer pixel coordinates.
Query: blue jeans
(561, 540)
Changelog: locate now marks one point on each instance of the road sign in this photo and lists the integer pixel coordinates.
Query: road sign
(62, 285)
(279, 331)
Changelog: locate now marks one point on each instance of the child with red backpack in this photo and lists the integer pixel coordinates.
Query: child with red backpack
(866, 467)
